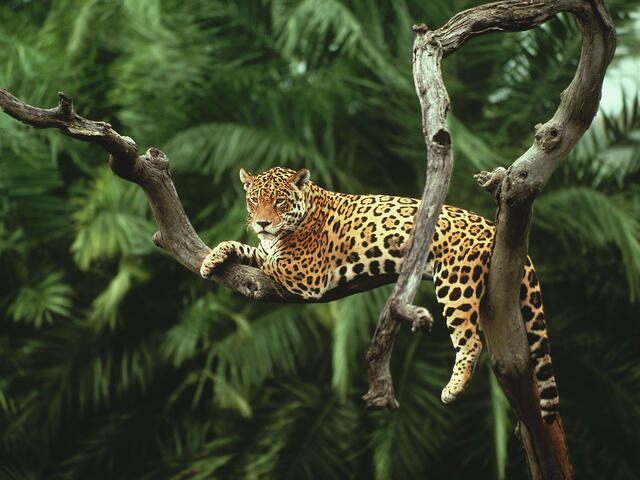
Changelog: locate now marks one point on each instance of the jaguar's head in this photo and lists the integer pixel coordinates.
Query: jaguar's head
(275, 201)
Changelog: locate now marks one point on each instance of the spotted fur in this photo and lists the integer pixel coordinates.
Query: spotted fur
(312, 240)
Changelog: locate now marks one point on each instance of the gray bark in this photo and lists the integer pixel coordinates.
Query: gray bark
(515, 190)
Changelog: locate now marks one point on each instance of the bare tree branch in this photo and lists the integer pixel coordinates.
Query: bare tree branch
(175, 233)
(435, 104)
(515, 190)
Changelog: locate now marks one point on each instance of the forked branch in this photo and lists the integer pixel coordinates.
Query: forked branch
(515, 190)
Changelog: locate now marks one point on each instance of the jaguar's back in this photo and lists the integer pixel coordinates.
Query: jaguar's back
(312, 240)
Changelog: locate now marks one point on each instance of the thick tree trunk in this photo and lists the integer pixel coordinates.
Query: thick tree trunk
(515, 189)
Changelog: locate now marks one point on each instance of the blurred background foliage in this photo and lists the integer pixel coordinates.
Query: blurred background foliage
(120, 364)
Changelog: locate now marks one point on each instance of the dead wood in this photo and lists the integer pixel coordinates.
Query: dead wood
(515, 189)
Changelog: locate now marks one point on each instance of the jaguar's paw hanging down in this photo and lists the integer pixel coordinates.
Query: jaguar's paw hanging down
(312, 240)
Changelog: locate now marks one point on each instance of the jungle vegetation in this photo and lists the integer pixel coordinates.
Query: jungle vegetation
(117, 363)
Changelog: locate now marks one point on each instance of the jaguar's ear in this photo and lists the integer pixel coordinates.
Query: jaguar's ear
(246, 178)
(300, 178)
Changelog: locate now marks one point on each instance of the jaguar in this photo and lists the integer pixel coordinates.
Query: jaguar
(312, 240)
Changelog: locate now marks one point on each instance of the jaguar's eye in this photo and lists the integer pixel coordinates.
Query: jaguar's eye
(280, 202)
(253, 201)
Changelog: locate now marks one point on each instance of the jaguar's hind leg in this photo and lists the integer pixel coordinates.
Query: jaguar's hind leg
(459, 289)
(462, 325)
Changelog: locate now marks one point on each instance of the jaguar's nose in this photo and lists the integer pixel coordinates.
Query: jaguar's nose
(264, 223)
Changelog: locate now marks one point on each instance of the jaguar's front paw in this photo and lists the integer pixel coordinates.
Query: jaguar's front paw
(217, 257)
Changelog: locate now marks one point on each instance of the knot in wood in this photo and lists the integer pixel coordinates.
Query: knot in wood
(157, 239)
(129, 140)
(548, 135)
(521, 185)
(442, 138)
(420, 28)
(157, 158)
(499, 367)
(251, 288)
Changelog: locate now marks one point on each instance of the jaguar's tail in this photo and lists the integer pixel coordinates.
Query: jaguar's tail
(533, 315)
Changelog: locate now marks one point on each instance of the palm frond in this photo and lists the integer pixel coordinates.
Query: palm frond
(352, 320)
(322, 25)
(43, 302)
(591, 219)
(274, 343)
(609, 155)
(501, 425)
(115, 372)
(103, 312)
(201, 322)
(213, 148)
(109, 221)
(409, 440)
(304, 435)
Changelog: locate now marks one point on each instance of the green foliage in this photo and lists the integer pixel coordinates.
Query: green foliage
(43, 301)
(587, 218)
(500, 407)
(120, 364)
(110, 220)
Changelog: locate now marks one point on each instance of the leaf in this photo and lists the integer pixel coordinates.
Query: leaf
(109, 221)
(213, 148)
(278, 341)
(595, 220)
(43, 302)
(501, 425)
(409, 440)
(103, 312)
(352, 320)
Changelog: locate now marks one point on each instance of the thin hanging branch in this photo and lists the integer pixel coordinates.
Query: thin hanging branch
(434, 102)
(515, 191)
